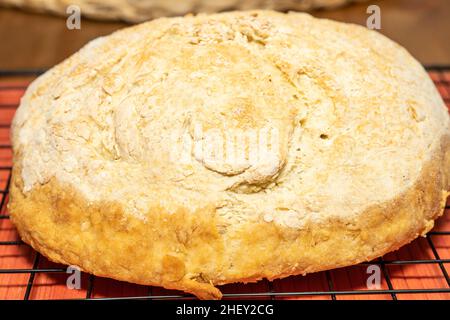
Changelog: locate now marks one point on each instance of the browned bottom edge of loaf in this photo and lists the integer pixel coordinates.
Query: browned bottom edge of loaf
(187, 251)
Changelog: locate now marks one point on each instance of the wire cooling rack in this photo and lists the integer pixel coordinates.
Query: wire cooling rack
(419, 270)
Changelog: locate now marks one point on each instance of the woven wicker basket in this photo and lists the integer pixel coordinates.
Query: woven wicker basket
(141, 10)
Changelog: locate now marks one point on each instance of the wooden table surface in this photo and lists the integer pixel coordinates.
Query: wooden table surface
(30, 40)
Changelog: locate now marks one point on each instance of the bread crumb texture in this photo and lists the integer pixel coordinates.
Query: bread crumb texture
(360, 166)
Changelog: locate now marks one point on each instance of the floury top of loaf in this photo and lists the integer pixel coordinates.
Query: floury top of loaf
(355, 116)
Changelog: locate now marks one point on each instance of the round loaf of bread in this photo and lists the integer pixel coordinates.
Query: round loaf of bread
(141, 10)
(198, 151)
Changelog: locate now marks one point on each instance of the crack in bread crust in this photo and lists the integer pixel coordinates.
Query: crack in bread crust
(185, 250)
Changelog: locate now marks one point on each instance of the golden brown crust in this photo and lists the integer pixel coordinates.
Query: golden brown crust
(186, 250)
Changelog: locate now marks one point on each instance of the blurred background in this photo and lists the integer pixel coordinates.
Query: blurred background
(33, 39)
